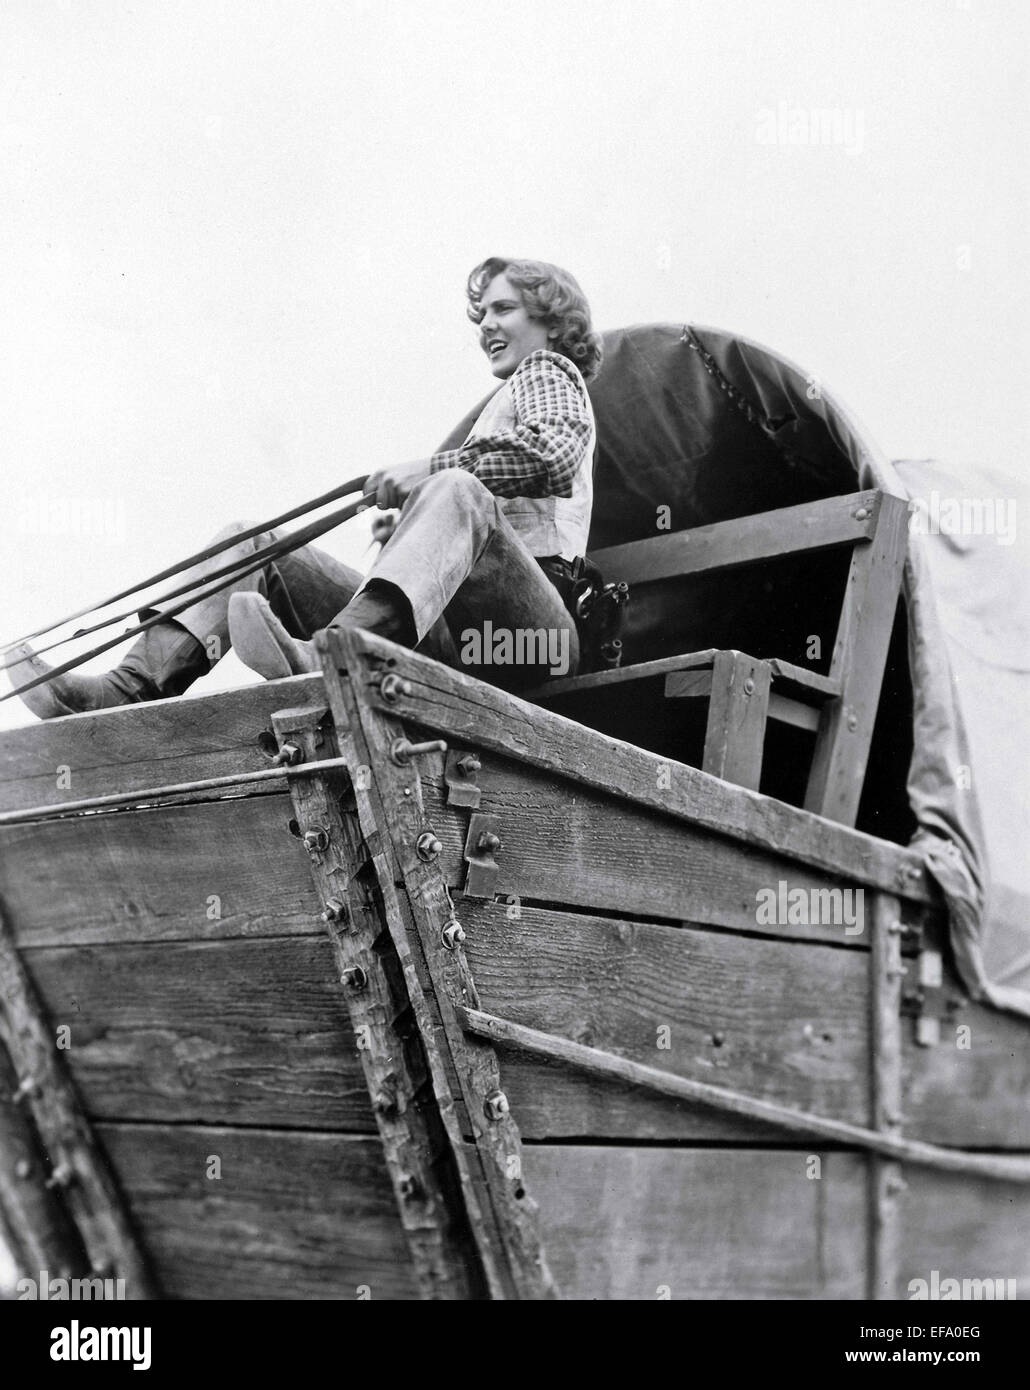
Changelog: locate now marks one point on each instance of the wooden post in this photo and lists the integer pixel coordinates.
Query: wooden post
(464, 1069)
(78, 1167)
(737, 712)
(859, 657)
(415, 1145)
(886, 1180)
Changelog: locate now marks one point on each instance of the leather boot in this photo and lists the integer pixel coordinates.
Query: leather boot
(261, 641)
(165, 661)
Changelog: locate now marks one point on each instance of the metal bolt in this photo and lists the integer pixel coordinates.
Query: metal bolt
(61, 1176)
(335, 911)
(496, 1106)
(385, 1102)
(316, 839)
(402, 751)
(718, 1039)
(852, 722)
(895, 928)
(749, 686)
(392, 687)
(862, 514)
(452, 935)
(354, 977)
(288, 755)
(408, 1186)
(28, 1089)
(427, 846)
(468, 764)
(488, 842)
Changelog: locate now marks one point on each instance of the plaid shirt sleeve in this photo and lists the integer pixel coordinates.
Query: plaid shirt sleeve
(539, 456)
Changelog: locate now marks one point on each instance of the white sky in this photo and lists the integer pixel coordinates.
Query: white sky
(234, 236)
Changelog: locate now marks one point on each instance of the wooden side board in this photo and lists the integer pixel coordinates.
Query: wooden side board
(465, 711)
(218, 869)
(232, 1032)
(311, 1216)
(149, 745)
(291, 1216)
(567, 844)
(768, 1018)
(646, 1223)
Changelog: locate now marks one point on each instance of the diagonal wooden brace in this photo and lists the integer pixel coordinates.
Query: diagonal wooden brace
(465, 1073)
(415, 1145)
(78, 1168)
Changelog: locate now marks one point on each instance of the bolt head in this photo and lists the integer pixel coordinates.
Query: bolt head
(749, 686)
(427, 846)
(408, 1186)
(335, 911)
(392, 687)
(452, 935)
(496, 1106)
(718, 1039)
(385, 1103)
(23, 1168)
(468, 764)
(488, 842)
(862, 514)
(354, 978)
(288, 755)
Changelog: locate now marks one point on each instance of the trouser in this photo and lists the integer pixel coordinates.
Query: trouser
(479, 601)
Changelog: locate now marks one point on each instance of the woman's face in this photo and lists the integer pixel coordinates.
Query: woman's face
(506, 332)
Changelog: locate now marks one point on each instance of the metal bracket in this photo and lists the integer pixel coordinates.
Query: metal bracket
(460, 769)
(924, 1001)
(481, 846)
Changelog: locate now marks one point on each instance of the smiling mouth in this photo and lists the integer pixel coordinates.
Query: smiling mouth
(496, 346)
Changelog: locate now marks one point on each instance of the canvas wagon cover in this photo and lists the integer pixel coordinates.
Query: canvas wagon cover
(715, 426)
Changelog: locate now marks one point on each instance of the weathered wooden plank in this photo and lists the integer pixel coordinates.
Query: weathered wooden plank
(794, 680)
(234, 1032)
(642, 671)
(964, 1228)
(33, 1220)
(77, 1165)
(566, 844)
(454, 704)
(971, 1088)
(144, 745)
(218, 869)
(859, 658)
(737, 712)
(631, 1223)
(775, 1021)
(726, 545)
(307, 1216)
